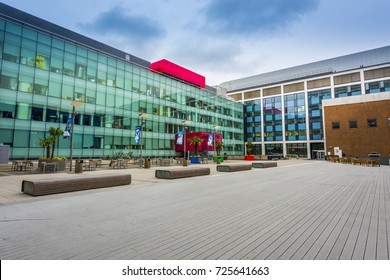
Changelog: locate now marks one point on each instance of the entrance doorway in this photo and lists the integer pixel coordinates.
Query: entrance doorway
(318, 154)
(317, 151)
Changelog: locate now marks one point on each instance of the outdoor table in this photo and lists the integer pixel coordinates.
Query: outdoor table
(47, 166)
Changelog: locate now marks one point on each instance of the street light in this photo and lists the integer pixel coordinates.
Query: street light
(74, 105)
(185, 157)
(215, 134)
(142, 115)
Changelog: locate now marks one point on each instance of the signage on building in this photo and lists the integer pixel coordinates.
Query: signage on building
(210, 140)
(180, 137)
(137, 137)
(68, 129)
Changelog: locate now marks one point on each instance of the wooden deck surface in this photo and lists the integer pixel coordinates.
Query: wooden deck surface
(318, 210)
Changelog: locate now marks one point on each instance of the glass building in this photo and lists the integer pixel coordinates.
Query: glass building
(44, 67)
(283, 109)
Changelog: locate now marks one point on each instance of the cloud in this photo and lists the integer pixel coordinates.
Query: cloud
(254, 16)
(120, 22)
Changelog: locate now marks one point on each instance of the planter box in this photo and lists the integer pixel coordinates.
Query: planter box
(195, 160)
(252, 157)
(61, 164)
(221, 158)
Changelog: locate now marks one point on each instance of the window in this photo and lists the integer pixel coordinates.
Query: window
(37, 114)
(353, 124)
(336, 125)
(371, 122)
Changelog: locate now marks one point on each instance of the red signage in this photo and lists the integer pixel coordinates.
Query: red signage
(177, 71)
(204, 146)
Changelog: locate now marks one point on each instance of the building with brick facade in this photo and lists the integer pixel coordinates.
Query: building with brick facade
(283, 111)
(358, 126)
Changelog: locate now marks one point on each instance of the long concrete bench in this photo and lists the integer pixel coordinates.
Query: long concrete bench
(176, 173)
(75, 183)
(233, 167)
(264, 164)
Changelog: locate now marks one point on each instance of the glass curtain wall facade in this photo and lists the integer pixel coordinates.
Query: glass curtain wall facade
(315, 113)
(41, 74)
(253, 122)
(287, 118)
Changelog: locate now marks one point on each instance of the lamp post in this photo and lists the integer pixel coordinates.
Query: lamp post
(215, 148)
(74, 105)
(185, 156)
(142, 115)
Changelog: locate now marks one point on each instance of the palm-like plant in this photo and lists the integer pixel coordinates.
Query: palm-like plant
(249, 148)
(55, 133)
(218, 146)
(45, 143)
(195, 141)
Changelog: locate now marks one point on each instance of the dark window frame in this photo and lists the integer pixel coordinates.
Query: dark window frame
(371, 123)
(335, 124)
(353, 124)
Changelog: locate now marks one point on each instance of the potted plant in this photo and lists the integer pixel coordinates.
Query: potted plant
(45, 143)
(249, 155)
(51, 141)
(195, 141)
(218, 148)
(55, 133)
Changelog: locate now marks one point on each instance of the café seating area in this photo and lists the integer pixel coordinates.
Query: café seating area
(19, 165)
(355, 161)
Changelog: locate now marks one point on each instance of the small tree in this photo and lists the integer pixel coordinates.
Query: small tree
(45, 143)
(218, 146)
(55, 133)
(249, 148)
(195, 141)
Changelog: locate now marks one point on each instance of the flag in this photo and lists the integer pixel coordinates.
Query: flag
(137, 137)
(68, 129)
(180, 137)
(210, 141)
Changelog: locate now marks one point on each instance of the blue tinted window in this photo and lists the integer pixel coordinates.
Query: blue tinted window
(301, 126)
(278, 117)
(316, 113)
(316, 125)
(315, 100)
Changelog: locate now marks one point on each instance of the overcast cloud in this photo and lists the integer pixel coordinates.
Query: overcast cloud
(224, 39)
(119, 21)
(254, 16)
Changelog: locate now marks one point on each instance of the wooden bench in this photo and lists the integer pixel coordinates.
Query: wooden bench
(73, 183)
(233, 167)
(181, 172)
(264, 164)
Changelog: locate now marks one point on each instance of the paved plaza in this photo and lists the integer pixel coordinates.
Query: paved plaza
(299, 210)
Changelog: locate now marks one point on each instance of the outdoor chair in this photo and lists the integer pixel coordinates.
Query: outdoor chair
(91, 165)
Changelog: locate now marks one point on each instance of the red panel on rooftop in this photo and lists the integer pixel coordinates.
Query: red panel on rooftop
(167, 67)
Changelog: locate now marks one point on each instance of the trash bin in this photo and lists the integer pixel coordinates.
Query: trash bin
(79, 166)
(147, 163)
